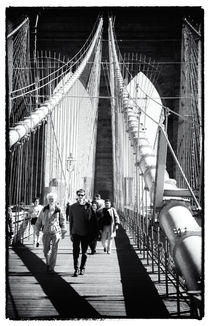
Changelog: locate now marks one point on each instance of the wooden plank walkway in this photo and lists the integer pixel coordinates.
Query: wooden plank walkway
(114, 286)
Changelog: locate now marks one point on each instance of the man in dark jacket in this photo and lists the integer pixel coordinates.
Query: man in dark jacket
(80, 215)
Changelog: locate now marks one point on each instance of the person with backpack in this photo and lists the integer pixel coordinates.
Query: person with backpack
(53, 225)
(109, 222)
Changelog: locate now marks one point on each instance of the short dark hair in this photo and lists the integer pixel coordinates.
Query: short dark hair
(36, 198)
(107, 200)
(98, 195)
(80, 190)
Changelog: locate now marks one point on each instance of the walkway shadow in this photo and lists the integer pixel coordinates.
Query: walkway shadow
(141, 297)
(64, 298)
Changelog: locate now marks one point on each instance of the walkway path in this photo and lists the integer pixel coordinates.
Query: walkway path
(114, 286)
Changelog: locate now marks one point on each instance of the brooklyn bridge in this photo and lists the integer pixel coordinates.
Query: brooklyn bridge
(108, 100)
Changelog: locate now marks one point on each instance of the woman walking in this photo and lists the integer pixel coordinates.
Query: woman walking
(34, 212)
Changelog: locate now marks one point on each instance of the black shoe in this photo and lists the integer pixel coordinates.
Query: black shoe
(104, 249)
(93, 252)
(76, 273)
(82, 271)
(37, 244)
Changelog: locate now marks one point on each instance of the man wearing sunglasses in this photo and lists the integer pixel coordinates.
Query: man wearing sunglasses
(79, 215)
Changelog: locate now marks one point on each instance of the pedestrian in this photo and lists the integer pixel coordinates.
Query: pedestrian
(80, 214)
(93, 228)
(53, 225)
(67, 211)
(100, 202)
(34, 212)
(110, 221)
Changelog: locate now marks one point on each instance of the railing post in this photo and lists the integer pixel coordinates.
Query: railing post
(152, 246)
(140, 233)
(158, 245)
(177, 294)
(166, 265)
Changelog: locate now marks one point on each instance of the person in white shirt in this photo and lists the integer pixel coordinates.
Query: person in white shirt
(34, 212)
(100, 202)
(53, 225)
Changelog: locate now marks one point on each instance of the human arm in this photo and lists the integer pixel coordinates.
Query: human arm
(116, 219)
(62, 223)
(70, 222)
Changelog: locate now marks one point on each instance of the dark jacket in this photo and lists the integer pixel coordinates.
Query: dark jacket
(79, 216)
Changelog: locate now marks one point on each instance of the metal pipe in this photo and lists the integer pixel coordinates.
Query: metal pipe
(184, 235)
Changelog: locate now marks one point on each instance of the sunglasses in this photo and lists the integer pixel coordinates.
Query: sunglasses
(80, 195)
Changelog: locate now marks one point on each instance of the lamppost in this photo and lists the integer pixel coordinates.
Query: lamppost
(70, 168)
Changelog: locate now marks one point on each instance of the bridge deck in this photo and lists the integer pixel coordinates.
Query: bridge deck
(114, 286)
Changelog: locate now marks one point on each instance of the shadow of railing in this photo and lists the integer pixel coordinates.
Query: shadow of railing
(68, 303)
(141, 297)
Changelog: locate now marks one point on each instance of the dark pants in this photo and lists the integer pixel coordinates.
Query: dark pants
(77, 240)
(92, 244)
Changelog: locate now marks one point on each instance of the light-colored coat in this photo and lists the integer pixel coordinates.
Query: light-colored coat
(115, 220)
(51, 224)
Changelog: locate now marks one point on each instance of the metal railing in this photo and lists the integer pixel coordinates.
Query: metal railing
(154, 247)
(21, 226)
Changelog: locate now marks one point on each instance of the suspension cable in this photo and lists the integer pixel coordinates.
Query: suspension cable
(16, 29)
(180, 168)
(163, 106)
(61, 68)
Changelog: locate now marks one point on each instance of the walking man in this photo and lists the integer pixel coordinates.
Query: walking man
(53, 226)
(80, 215)
(110, 221)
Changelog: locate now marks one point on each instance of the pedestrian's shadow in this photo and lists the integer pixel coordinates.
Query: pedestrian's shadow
(141, 297)
(68, 303)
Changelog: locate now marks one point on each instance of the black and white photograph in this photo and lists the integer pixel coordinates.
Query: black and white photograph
(104, 162)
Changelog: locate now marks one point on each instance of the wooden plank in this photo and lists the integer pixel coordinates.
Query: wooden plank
(112, 287)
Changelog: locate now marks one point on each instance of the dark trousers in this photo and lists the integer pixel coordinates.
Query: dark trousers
(92, 244)
(77, 240)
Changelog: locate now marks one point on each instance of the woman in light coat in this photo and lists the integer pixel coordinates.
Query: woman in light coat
(109, 222)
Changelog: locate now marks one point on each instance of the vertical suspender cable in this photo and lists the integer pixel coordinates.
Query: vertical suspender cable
(186, 250)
